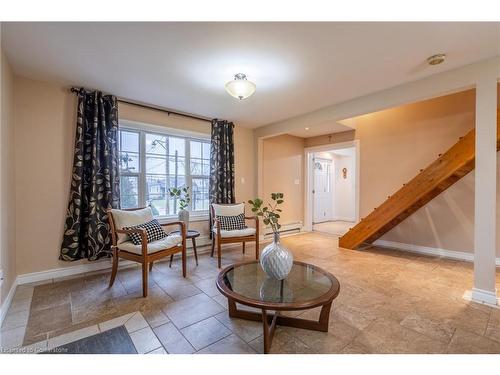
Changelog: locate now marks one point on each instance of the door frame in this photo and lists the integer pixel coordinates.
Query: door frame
(308, 171)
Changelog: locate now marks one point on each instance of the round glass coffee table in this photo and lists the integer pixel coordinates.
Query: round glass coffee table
(305, 287)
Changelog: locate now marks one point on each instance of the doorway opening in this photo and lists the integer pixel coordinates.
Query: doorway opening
(332, 193)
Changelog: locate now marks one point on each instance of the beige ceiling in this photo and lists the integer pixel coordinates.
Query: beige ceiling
(298, 67)
(326, 128)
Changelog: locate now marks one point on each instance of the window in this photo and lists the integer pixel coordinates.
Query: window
(151, 163)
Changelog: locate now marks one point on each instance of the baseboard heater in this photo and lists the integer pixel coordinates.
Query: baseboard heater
(288, 228)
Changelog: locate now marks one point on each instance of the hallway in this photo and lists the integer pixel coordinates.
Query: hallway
(337, 228)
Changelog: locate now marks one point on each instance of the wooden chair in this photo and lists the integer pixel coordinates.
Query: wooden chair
(232, 236)
(146, 253)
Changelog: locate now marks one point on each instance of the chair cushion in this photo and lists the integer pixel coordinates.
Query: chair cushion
(154, 232)
(153, 247)
(232, 222)
(129, 219)
(236, 233)
(229, 210)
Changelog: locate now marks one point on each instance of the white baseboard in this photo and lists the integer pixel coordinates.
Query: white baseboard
(468, 297)
(7, 301)
(451, 254)
(55, 273)
(286, 229)
(341, 218)
(103, 264)
(484, 296)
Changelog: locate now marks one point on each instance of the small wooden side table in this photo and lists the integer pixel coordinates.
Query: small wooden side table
(191, 234)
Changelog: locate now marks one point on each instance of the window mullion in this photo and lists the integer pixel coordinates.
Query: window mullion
(167, 175)
(142, 173)
(167, 167)
(187, 171)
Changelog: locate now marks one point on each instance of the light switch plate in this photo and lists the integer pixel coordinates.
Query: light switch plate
(297, 182)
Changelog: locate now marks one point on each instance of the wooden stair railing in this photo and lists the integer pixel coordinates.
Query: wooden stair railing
(430, 182)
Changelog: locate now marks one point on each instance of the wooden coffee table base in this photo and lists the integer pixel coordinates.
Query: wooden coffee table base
(270, 321)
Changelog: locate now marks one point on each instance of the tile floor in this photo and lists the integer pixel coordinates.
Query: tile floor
(337, 228)
(390, 302)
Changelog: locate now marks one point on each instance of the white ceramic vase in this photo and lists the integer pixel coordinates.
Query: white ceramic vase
(184, 217)
(276, 260)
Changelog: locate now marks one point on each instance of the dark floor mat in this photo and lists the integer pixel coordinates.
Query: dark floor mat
(114, 341)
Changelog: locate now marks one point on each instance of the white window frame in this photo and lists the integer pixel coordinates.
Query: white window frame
(142, 129)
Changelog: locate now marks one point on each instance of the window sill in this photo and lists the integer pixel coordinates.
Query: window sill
(192, 218)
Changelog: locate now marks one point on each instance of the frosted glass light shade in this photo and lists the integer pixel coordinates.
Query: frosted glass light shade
(240, 87)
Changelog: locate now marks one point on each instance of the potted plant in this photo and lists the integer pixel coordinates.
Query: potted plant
(275, 260)
(183, 198)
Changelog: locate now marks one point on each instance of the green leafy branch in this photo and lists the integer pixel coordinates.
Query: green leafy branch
(182, 195)
(270, 213)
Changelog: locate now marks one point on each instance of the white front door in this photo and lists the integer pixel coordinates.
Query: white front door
(322, 190)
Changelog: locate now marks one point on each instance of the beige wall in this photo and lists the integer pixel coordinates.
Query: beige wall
(282, 165)
(329, 138)
(7, 190)
(394, 145)
(45, 122)
(148, 116)
(447, 222)
(345, 188)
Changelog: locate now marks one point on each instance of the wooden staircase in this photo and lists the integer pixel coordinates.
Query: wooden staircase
(430, 182)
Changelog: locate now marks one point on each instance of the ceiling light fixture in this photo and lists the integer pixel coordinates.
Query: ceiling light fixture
(240, 88)
(436, 59)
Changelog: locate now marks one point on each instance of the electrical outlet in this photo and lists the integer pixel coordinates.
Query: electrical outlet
(296, 182)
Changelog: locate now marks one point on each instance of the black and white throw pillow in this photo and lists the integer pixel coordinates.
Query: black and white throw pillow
(154, 232)
(232, 222)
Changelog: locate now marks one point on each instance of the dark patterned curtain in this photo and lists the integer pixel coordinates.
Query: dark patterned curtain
(95, 181)
(222, 163)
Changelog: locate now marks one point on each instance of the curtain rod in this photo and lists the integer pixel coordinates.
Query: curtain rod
(167, 111)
